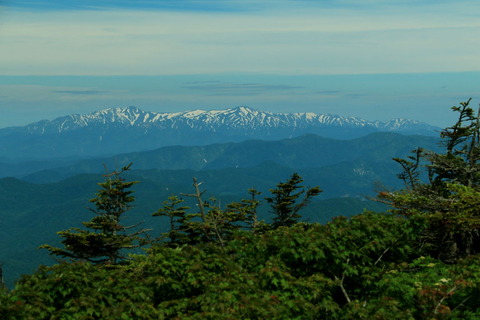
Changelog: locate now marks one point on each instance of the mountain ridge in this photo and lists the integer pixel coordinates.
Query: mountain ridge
(306, 151)
(234, 117)
(129, 129)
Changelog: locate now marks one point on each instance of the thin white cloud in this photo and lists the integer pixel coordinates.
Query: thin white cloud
(302, 40)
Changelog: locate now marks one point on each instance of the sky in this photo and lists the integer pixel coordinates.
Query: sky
(373, 59)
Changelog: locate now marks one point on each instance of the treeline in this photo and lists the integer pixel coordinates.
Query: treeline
(106, 239)
(419, 261)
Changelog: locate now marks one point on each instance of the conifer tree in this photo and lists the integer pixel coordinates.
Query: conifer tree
(106, 238)
(2, 281)
(285, 201)
(209, 223)
(177, 216)
(450, 199)
(246, 211)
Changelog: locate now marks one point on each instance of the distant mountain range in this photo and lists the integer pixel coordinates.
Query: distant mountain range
(120, 130)
(307, 151)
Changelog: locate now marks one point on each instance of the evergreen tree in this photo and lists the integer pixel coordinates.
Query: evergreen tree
(246, 210)
(2, 281)
(460, 163)
(285, 200)
(176, 215)
(107, 237)
(449, 200)
(209, 224)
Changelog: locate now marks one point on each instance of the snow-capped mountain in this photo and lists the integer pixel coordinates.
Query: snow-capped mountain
(117, 130)
(240, 118)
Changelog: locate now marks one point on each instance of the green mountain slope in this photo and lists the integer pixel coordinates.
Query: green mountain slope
(308, 151)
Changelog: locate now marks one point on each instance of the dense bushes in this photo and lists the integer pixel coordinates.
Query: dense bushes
(365, 267)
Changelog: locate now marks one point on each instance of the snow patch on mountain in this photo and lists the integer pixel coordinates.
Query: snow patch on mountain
(240, 118)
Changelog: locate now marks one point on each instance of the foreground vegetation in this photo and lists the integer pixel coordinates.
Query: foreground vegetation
(419, 261)
(366, 267)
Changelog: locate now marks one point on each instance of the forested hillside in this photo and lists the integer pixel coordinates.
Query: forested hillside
(420, 260)
(307, 151)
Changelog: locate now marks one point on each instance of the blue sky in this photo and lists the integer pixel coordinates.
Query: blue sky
(372, 59)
